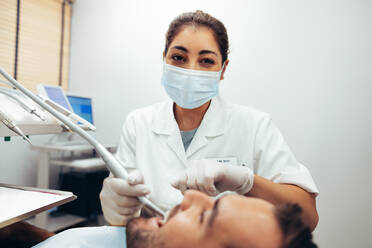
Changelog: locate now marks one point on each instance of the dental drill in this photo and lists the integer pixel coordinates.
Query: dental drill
(24, 105)
(10, 124)
(111, 162)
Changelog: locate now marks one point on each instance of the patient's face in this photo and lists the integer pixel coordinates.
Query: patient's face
(199, 221)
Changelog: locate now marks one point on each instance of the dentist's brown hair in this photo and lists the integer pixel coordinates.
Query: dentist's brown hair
(198, 19)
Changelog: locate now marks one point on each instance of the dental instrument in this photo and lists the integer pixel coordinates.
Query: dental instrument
(166, 217)
(10, 124)
(21, 103)
(111, 163)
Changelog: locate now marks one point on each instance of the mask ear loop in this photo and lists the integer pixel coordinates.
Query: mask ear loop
(223, 66)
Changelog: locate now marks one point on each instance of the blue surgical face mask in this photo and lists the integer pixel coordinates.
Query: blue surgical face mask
(190, 89)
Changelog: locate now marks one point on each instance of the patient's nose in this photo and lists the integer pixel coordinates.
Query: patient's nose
(193, 198)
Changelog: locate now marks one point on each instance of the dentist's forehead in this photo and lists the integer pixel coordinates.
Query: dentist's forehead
(198, 37)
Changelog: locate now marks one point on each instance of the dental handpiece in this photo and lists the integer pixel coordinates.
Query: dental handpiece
(10, 124)
(30, 110)
(111, 162)
(119, 171)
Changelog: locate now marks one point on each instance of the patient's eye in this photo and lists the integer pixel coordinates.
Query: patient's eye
(202, 216)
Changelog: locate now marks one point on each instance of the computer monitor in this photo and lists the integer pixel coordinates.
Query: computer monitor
(81, 106)
(77, 104)
(56, 94)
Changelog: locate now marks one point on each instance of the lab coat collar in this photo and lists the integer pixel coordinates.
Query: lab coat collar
(213, 124)
(163, 121)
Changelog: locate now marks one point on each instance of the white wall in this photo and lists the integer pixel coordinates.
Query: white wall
(308, 63)
(18, 163)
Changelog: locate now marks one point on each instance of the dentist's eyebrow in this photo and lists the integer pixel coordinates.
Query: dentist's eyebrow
(207, 52)
(214, 213)
(184, 49)
(180, 48)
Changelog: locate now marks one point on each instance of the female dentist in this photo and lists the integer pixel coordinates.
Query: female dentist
(198, 141)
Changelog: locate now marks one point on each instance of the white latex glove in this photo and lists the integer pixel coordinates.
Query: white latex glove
(119, 198)
(213, 178)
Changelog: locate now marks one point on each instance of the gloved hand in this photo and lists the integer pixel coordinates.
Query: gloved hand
(119, 198)
(212, 178)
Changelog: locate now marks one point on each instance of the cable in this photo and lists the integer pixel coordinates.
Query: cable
(7, 83)
(22, 103)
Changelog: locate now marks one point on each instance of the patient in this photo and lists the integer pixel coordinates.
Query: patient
(199, 221)
(231, 221)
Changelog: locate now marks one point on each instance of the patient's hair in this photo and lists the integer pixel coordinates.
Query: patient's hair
(296, 234)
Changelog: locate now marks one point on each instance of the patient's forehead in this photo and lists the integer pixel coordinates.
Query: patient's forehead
(248, 220)
(238, 202)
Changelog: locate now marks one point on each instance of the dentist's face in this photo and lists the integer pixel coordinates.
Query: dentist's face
(199, 221)
(195, 48)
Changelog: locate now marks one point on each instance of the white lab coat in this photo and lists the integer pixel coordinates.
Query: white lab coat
(151, 142)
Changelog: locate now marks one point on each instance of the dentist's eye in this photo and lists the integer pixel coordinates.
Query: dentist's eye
(178, 58)
(207, 61)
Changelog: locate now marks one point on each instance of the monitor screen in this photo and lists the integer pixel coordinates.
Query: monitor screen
(82, 106)
(57, 95)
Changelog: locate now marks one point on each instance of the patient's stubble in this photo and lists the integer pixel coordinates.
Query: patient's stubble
(140, 238)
